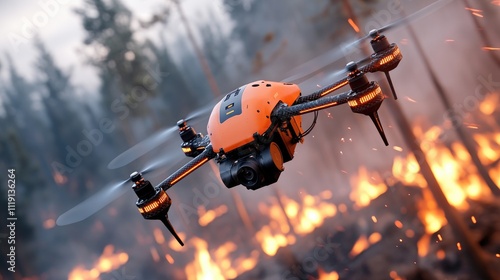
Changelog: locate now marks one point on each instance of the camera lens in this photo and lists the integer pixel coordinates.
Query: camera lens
(248, 174)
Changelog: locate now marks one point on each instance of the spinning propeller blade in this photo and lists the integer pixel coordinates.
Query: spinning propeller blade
(153, 141)
(326, 60)
(104, 197)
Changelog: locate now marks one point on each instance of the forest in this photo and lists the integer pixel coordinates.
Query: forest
(59, 136)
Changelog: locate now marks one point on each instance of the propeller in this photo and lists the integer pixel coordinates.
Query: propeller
(326, 60)
(154, 140)
(104, 197)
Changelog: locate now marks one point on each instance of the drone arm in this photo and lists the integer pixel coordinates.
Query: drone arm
(311, 106)
(188, 168)
(322, 92)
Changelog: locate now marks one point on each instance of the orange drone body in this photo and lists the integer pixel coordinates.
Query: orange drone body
(246, 111)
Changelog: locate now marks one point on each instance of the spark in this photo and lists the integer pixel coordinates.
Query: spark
(459, 246)
(169, 258)
(374, 219)
(404, 41)
(440, 237)
(397, 148)
(449, 40)
(410, 99)
(478, 15)
(473, 10)
(497, 255)
(353, 25)
(490, 49)
(473, 219)
(398, 224)
(472, 126)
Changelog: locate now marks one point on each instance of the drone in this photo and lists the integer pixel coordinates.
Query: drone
(253, 130)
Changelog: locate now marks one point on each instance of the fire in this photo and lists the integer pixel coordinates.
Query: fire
(288, 215)
(206, 217)
(107, 262)
(364, 188)
(322, 275)
(219, 264)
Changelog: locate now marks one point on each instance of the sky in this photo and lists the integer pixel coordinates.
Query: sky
(56, 23)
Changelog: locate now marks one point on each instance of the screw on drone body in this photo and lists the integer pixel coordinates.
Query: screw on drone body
(387, 56)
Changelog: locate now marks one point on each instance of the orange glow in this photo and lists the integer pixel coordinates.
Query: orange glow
(206, 217)
(218, 264)
(473, 219)
(394, 275)
(353, 25)
(459, 246)
(169, 259)
(398, 224)
(322, 275)
(374, 219)
(359, 246)
(440, 254)
(374, 237)
(49, 223)
(107, 262)
(158, 234)
(290, 218)
(423, 245)
(174, 245)
(364, 188)
(478, 15)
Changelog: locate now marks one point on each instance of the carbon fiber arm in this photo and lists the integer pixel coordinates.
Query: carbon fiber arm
(188, 168)
(286, 112)
(372, 66)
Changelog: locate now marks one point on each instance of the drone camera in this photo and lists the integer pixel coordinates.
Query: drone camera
(255, 170)
(153, 203)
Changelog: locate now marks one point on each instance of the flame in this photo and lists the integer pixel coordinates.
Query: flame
(289, 215)
(219, 264)
(359, 246)
(107, 262)
(364, 188)
(206, 217)
(322, 275)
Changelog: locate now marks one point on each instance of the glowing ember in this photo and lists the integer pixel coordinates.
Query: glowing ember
(107, 262)
(473, 219)
(49, 223)
(398, 224)
(353, 25)
(322, 275)
(459, 246)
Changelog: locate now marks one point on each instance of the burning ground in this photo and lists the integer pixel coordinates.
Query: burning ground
(346, 207)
